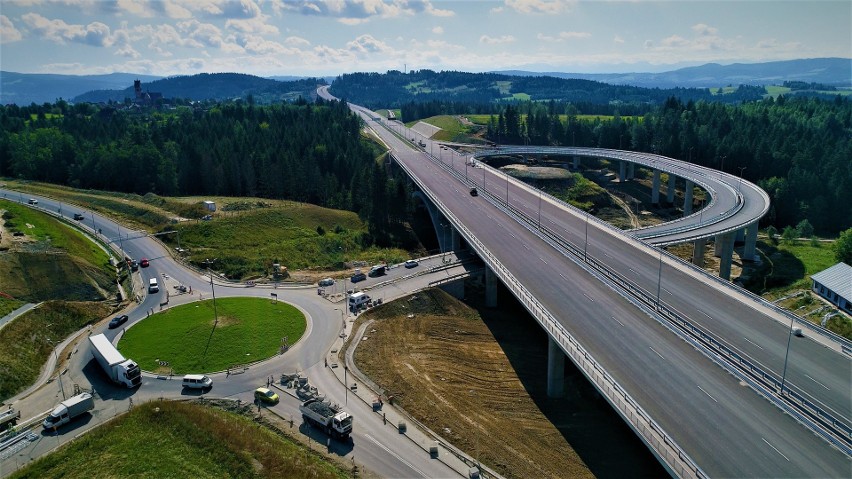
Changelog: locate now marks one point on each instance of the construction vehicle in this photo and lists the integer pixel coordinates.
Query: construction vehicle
(329, 417)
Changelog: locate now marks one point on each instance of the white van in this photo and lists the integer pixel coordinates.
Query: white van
(197, 381)
(153, 286)
(358, 299)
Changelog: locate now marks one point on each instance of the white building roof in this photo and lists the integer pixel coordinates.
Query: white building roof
(838, 278)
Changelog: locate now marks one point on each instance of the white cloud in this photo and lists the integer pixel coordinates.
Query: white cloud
(354, 12)
(438, 30)
(703, 29)
(260, 46)
(366, 44)
(617, 39)
(562, 36)
(8, 32)
(95, 34)
(496, 40)
(540, 6)
(256, 24)
(297, 42)
(496, 10)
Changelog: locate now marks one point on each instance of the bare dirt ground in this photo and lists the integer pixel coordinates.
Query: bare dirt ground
(460, 375)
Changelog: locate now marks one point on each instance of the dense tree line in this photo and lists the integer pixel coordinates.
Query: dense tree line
(303, 152)
(797, 149)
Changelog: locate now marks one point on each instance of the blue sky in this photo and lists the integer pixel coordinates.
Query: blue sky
(314, 37)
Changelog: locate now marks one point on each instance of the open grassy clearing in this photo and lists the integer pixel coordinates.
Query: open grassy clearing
(49, 259)
(24, 345)
(484, 119)
(791, 264)
(459, 374)
(249, 329)
(7, 305)
(299, 236)
(163, 439)
(452, 129)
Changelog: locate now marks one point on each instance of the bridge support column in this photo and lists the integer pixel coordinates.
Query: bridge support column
(555, 369)
(687, 198)
(622, 168)
(740, 238)
(749, 250)
(490, 288)
(724, 249)
(631, 171)
(576, 162)
(655, 188)
(670, 192)
(456, 239)
(698, 247)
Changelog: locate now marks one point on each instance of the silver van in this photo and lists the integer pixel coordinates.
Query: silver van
(197, 381)
(153, 286)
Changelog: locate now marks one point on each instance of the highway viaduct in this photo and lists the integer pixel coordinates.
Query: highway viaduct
(698, 368)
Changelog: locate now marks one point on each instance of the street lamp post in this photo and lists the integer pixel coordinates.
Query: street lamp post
(586, 243)
(660, 279)
(58, 374)
(507, 188)
(787, 354)
(539, 209)
(740, 184)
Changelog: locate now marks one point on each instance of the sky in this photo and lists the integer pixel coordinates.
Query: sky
(331, 37)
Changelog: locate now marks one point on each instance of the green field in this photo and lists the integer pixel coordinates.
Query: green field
(165, 439)
(248, 330)
(24, 345)
(7, 305)
(484, 119)
(793, 263)
(774, 91)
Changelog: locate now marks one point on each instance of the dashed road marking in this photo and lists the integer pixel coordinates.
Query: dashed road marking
(655, 352)
(776, 450)
(708, 394)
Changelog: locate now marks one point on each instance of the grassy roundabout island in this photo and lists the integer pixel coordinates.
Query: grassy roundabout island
(248, 330)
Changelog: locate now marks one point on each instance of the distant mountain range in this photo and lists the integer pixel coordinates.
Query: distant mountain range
(26, 88)
(828, 71)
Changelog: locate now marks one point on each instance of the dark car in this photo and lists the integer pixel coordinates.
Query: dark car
(473, 192)
(118, 321)
(411, 263)
(134, 266)
(78, 216)
(144, 262)
(358, 277)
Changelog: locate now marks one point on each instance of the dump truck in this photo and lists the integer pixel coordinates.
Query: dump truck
(119, 369)
(8, 418)
(68, 410)
(331, 418)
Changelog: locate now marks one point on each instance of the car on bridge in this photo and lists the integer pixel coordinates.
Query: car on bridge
(33, 201)
(411, 264)
(473, 192)
(78, 217)
(144, 262)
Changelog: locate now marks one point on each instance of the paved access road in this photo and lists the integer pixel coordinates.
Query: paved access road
(724, 426)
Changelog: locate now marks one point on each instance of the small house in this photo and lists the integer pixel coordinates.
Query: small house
(210, 205)
(835, 285)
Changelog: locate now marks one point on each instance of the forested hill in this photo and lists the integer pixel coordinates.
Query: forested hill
(214, 86)
(395, 89)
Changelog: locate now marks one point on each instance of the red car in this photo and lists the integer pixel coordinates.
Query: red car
(143, 262)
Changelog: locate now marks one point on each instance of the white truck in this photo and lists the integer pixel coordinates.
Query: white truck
(68, 410)
(331, 418)
(120, 370)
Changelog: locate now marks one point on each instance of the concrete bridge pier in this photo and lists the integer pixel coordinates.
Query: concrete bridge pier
(724, 249)
(555, 369)
(655, 188)
(490, 288)
(749, 250)
(443, 230)
(576, 162)
(456, 240)
(622, 168)
(698, 247)
(687, 198)
(670, 191)
(631, 171)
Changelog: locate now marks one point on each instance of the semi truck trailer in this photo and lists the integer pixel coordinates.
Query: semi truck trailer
(68, 410)
(331, 418)
(119, 369)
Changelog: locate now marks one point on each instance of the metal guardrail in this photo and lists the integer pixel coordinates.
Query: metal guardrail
(677, 460)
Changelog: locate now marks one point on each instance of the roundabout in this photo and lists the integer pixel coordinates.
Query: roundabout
(198, 338)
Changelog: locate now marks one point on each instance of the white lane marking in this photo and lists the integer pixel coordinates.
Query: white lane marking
(525, 246)
(752, 342)
(814, 380)
(633, 271)
(542, 260)
(607, 255)
(655, 352)
(776, 450)
(617, 321)
(588, 297)
(418, 471)
(667, 291)
(563, 276)
(513, 235)
(708, 394)
(705, 314)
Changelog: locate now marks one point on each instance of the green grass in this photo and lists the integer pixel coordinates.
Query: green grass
(246, 244)
(484, 119)
(249, 329)
(814, 258)
(24, 345)
(163, 439)
(775, 90)
(7, 305)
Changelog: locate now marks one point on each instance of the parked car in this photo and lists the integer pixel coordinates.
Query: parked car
(78, 217)
(134, 266)
(358, 276)
(326, 282)
(33, 201)
(411, 264)
(144, 262)
(118, 321)
(266, 395)
(207, 217)
(473, 192)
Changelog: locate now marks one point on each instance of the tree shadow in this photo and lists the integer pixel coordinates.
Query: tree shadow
(779, 269)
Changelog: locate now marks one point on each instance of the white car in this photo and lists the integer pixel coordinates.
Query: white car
(33, 201)
(326, 282)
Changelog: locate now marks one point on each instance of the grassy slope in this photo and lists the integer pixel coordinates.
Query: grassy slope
(174, 439)
(248, 242)
(179, 335)
(8, 305)
(24, 345)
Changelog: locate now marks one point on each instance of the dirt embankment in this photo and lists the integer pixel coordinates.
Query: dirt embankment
(445, 366)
